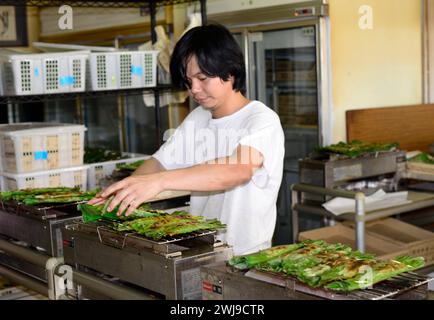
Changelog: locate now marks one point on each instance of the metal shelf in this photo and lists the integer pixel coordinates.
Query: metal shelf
(83, 95)
(94, 4)
(151, 4)
(360, 215)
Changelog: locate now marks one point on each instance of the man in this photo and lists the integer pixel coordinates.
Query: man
(228, 151)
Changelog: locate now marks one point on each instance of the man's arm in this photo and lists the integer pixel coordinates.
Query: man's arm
(217, 175)
(150, 165)
(220, 174)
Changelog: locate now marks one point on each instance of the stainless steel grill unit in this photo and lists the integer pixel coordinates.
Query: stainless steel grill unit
(38, 227)
(223, 282)
(170, 267)
(338, 172)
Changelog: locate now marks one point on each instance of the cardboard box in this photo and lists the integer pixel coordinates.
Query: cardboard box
(413, 240)
(387, 238)
(340, 233)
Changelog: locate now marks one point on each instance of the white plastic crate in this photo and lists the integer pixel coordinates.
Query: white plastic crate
(39, 73)
(67, 177)
(30, 147)
(101, 170)
(123, 69)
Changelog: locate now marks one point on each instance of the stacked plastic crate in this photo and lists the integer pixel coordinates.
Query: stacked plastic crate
(37, 155)
(123, 70)
(43, 73)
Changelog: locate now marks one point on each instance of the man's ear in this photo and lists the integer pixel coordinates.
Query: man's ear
(232, 80)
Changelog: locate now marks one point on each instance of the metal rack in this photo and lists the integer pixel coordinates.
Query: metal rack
(152, 6)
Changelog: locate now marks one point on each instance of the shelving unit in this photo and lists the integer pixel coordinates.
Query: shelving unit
(157, 90)
(360, 216)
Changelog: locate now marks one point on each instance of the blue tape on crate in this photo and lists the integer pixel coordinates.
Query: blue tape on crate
(136, 70)
(36, 72)
(67, 80)
(41, 155)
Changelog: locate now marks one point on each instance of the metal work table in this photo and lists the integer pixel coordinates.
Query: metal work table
(418, 200)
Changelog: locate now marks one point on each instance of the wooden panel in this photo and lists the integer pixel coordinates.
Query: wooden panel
(411, 126)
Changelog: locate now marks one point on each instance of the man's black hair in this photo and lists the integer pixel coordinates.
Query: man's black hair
(217, 53)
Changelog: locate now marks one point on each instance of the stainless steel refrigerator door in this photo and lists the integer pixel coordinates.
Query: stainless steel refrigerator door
(284, 72)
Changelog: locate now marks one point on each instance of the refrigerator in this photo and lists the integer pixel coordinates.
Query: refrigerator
(287, 63)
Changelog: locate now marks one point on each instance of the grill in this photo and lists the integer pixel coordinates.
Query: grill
(36, 227)
(167, 247)
(42, 212)
(254, 284)
(169, 267)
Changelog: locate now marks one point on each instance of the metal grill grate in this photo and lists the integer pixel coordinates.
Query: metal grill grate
(169, 246)
(42, 212)
(387, 289)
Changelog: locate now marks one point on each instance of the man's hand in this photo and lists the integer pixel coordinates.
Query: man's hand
(130, 192)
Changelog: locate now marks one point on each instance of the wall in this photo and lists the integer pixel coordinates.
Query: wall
(370, 68)
(93, 18)
(378, 67)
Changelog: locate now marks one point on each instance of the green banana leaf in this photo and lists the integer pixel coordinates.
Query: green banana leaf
(261, 257)
(357, 148)
(158, 227)
(94, 213)
(333, 266)
(423, 158)
(381, 270)
(130, 166)
(48, 195)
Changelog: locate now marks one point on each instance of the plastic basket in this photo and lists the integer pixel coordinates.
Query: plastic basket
(30, 147)
(66, 177)
(101, 170)
(39, 73)
(125, 69)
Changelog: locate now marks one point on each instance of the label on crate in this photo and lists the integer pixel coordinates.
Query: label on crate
(136, 70)
(67, 80)
(36, 72)
(41, 155)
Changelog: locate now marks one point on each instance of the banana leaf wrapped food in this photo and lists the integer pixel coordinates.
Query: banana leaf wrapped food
(48, 195)
(154, 224)
(333, 266)
(378, 271)
(130, 166)
(98, 212)
(357, 148)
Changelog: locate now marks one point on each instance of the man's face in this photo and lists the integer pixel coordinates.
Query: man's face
(209, 92)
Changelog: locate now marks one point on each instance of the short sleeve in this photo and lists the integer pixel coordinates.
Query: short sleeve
(265, 136)
(173, 153)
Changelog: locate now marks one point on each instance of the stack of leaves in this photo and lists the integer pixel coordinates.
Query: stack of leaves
(154, 224)
(423, 158)
(333, 266)
(94, 155)
(98, 212)
(48, 195)
(357, 148)
(130, 166)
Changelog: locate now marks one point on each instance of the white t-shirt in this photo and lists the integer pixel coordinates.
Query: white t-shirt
(249, 210)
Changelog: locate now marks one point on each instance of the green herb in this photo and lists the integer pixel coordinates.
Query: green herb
(357, 148)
